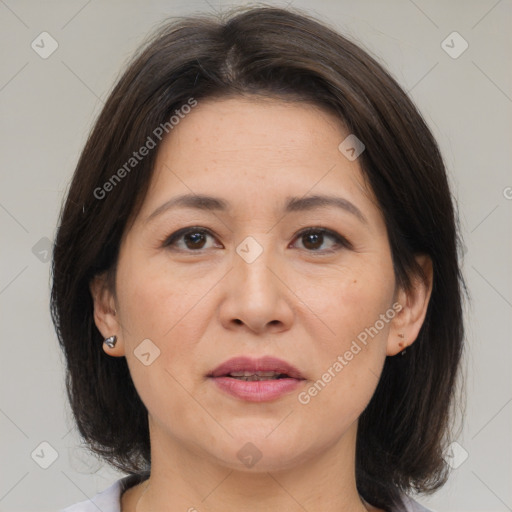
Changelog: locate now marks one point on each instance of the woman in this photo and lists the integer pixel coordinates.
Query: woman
(255, 278)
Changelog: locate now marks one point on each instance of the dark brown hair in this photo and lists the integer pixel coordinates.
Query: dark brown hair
(284, 54)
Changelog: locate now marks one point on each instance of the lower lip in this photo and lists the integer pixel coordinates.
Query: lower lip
(257, 390)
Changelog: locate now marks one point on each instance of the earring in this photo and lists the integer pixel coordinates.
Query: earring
(111, 342)
(401, 335)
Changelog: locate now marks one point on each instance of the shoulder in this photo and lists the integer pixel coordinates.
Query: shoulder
(411, 505)
(108, 500)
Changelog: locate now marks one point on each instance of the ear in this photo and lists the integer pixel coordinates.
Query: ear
(407, 323)
(105, 314)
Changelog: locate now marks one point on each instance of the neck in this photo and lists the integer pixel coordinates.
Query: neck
(185, 479)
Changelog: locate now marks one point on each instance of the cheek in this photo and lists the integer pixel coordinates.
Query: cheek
(154, 297)
(350, 299)
(167, 306)
(356, 306)
(144, 303)
(163, 308)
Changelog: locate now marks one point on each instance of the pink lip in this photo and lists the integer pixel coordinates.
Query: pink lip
(256, 391)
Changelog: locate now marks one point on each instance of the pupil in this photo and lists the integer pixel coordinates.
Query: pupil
(315, 238)
(195, 238)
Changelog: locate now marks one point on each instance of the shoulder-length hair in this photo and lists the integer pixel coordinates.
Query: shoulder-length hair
(285, 54)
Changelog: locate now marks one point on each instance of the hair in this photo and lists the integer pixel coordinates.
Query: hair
(282, 54)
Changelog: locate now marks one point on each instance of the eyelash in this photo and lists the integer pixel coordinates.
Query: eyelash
(340, 240)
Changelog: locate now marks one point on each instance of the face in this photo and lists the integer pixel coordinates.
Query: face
(312, 285)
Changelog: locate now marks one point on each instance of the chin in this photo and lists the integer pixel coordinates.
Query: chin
(253, 453)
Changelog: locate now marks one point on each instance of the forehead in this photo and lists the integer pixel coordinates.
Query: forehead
(258, 150)
(238, 128)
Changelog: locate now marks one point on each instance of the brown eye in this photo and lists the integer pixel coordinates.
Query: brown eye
(193, 239)
(314, 238)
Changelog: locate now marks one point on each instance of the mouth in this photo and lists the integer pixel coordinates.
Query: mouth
(256, 380)
(257, 376)
(264, 368)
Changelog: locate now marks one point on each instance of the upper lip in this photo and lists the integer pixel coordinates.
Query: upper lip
(262, 364)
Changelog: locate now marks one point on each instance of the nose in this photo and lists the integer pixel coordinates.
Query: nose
(257, 296)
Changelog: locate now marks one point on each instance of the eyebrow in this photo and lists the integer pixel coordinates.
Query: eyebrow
(293, 204)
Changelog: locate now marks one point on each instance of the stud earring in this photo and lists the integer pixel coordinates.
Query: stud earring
(111, 341)
(401, 335)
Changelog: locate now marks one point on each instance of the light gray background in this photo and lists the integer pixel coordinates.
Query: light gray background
(48, 106)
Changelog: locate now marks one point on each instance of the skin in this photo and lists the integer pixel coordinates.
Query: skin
(201, 308)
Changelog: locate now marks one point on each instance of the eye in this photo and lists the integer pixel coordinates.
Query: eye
(194, 239)
(313, 239)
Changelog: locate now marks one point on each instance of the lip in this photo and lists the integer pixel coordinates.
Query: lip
(262, 364)
(256, 391)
